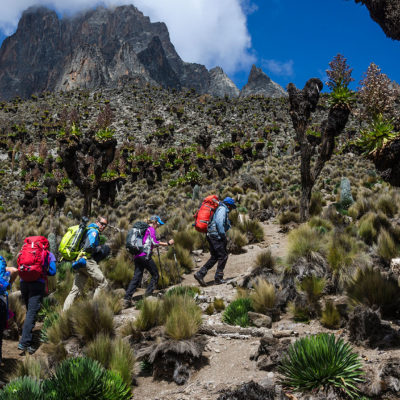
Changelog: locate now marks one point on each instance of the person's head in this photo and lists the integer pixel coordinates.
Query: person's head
(101, 223)
(229, 202)
(155, 221)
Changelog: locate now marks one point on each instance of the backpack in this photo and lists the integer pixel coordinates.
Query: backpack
(205, 213)
(69, 248)
(32, 257)
(4, 276)
(134, 239)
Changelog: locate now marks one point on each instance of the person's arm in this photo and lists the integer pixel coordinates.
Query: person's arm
(155, 241)
(91, 241)
(52, 268)
(220, 222)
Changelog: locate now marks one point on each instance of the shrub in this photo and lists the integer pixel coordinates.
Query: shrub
(316, 203)
(387, 205)
(91, 317)
(330, 316)
(22, 389)
(219, 304)
(32, 367)
(303, 242)
(184, 258)
(237, 241)
(184, 318)
(287, 217)
(186, 239)
(369, 287)
(263, 296)
(191, 291)
(237, 312)
(319, 361)
(342, 250)
(253, 230)
(387, 248)
(151, 315)
(83, 378)
(264, 261)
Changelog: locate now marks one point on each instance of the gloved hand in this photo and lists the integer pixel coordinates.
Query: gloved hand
(81, 263)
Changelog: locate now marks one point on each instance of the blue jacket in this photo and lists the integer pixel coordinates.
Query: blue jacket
(220, 223)
(92, 239)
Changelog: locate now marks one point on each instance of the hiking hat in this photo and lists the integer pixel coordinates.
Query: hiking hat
(229, 201)
(157, 219)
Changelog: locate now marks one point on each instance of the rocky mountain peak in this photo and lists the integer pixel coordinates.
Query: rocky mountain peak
(259, 83)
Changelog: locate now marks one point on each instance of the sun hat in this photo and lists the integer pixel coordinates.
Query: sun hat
(157, 219)
(229, 201)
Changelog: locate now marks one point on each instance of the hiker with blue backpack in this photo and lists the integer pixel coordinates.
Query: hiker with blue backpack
(35, 263)
(141, 246)
(90, 253)
(216, 237)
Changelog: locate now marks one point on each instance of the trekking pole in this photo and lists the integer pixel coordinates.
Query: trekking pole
(176, 266)
(159, 262)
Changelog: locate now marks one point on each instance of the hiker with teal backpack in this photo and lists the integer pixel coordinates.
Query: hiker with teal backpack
(216, 237)
(141, 247)
(7, 275)
(35, 263)
(86, 264)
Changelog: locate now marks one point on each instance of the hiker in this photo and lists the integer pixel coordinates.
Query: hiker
(144, 261)
(216, 237)
(87, 262)
(33, 287)
(7, 276)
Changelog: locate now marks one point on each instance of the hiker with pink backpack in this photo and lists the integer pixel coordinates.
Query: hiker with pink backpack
(35, 263)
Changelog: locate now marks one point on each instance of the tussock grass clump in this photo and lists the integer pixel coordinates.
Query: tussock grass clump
(112, 300)
(114, 354)
(185, 239)
(263, 297)
(316, 203)
(237, 312)
(288, 216)
(253, 230)
(319, 361)
(210, 309)
(32, 367)
(387, 248)
(303, 242)
(369, 287)
(387, 204)
(313, 288)
(184, 258)
(183, 319)
(16, 306)
(91, 317)
(264, 261)
(366, 228)
(237, 241)
(219, 304)
(320, 224)
(119, 269)
(151, 315)
(330, 317)
(128, 329)
(342, 251)
(49, 321)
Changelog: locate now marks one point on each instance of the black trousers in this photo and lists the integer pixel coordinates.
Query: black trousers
(140, 265)
(32, 293)
(3, 320)
(218, 254)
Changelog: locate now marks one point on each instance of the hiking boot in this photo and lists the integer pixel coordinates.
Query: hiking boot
(199, 279)
(22, 347)
(219, 281)
(31, 350)
(127, 303)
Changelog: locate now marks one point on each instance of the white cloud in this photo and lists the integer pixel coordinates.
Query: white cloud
(210, 32)
(278, 67)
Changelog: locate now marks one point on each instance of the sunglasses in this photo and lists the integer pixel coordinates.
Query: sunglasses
(103, 223)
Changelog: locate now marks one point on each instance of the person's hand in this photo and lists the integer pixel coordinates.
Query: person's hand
(171, 242)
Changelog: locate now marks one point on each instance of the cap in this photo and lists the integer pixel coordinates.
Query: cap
(157, 219)
(229, 201)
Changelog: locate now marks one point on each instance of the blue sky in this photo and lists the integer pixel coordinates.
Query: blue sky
(290, 40)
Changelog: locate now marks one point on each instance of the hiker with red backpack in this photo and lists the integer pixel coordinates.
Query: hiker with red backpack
(143, 260)
(35, 263)
(91, 253)
(216, 237)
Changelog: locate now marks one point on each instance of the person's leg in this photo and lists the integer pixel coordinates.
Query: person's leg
(137, 277)
(76, 290)
(36, 293)
(152, 268)
(94, 271)
(222, 253)
(211, 261)
(3, 321)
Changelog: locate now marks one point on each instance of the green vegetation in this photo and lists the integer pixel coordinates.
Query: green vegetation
(236, 312)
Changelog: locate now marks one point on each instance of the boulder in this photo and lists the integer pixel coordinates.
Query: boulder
(248, 391)
(260, 320)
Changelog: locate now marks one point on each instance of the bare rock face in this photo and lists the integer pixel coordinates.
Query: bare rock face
(99, 48)
(221, 85)
(261, 84)
(386, 13)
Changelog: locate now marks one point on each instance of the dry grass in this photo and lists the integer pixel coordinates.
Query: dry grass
(263, 297)
(330, 317)
(151, 315)
(119, 269)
